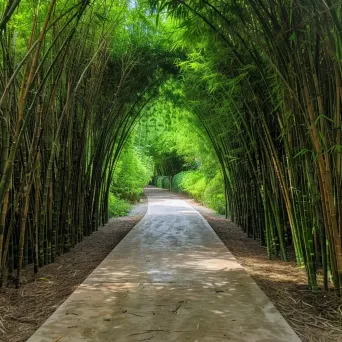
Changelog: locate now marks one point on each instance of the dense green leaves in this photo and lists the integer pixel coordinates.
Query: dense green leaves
(252, 112)
(74, 79)
(264, 78)
(176, 140)
(132, 172)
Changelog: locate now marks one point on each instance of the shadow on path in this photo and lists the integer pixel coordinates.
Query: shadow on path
(170, 279)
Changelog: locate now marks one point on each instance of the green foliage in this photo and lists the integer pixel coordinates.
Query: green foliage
(237, 93)
(117, 207)
(132, 173)
(213, 195)
(166, 183)
(177, 181)
(196, 183)
(179, 146)
(174, 136)
(159, 180)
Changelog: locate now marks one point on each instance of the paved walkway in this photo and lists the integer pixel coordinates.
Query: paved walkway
(170, 279)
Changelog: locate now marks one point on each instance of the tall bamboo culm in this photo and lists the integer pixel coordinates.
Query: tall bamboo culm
(68, 102)
(267, 87)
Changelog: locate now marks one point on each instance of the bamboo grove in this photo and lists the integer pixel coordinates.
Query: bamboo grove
(69, 99)
(263, 77)
(265, 80)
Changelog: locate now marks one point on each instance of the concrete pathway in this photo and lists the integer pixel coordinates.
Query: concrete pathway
(170, 279)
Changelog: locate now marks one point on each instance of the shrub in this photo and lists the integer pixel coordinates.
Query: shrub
(154, 180)
(166, 182)
(194, 183)
(117, 207)
(208, 191)
(133, 171)
(159, 181)
(177, 181)
(214, 194)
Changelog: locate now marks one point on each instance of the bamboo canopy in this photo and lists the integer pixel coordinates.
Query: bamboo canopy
(263, 77)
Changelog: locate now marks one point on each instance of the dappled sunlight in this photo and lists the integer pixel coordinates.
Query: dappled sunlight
(171, 275)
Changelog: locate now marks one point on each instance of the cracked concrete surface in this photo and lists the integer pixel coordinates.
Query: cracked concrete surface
(170, 279)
